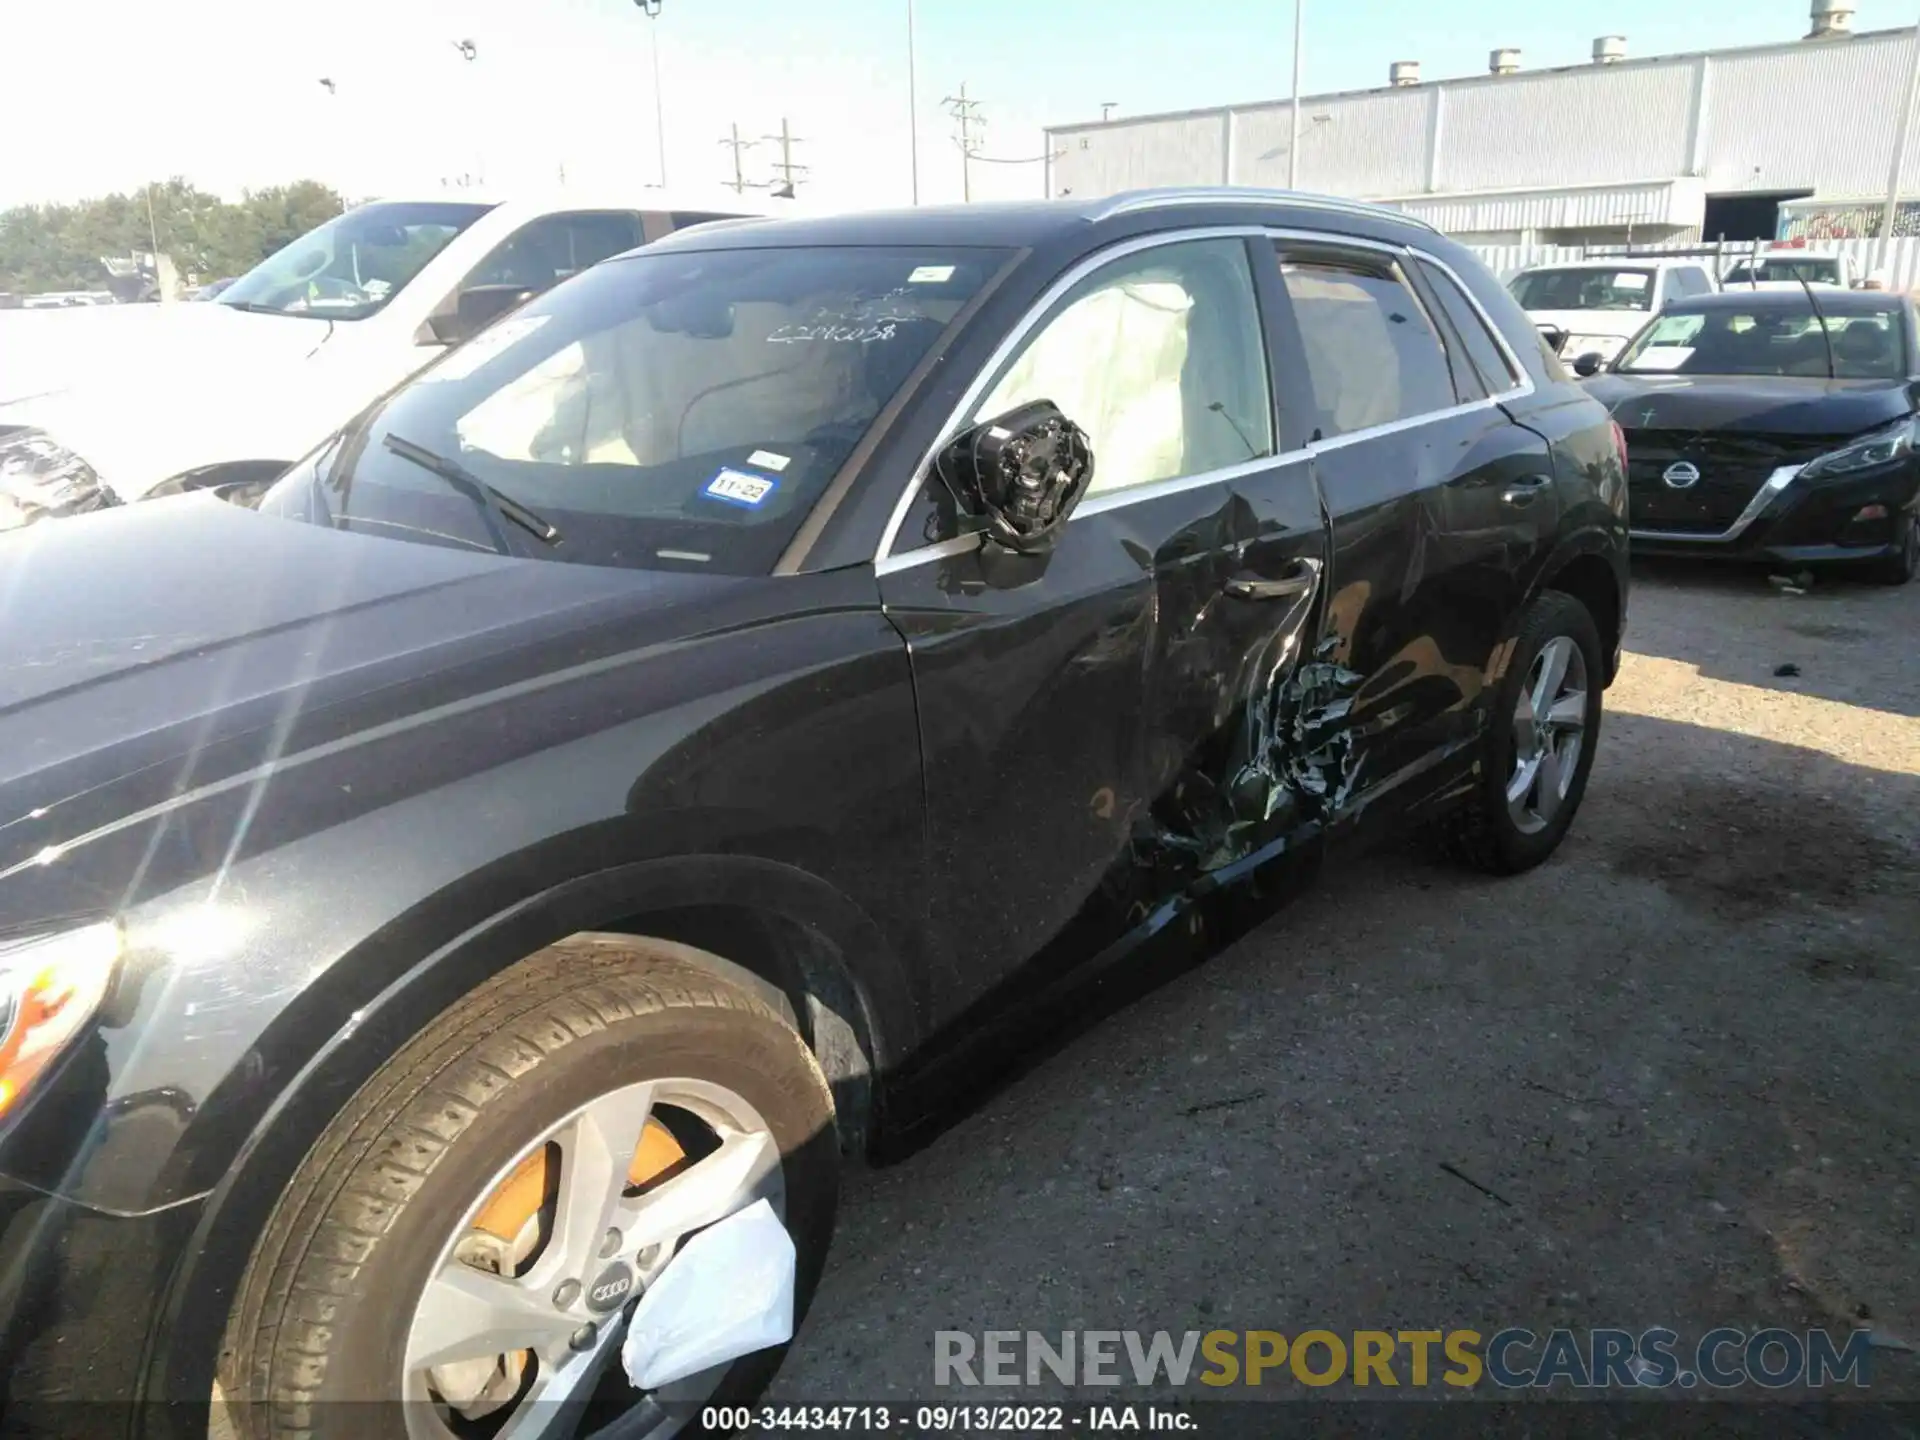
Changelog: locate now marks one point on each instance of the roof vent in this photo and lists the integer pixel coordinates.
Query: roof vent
(1609, 49)
(1832, 19)
(1404, 72)
(1503, 62)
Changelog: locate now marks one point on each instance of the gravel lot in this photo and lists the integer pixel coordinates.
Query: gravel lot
(1682, 1057)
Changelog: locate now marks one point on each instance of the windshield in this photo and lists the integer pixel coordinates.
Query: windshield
(1776, 340)
(1789, 272)
(355, 263)
(679, 410)
(1584, 289)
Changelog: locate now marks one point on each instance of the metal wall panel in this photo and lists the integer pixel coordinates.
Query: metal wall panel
(1817, 117)
(1371, 144)
(1184, 150)
(1662, 203)
(1597, 123)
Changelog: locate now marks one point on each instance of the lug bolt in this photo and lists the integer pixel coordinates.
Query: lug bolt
(584, 1337)
(610, 1246)
(565, 1293)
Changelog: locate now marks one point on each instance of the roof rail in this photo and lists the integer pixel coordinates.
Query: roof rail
(1131, 201)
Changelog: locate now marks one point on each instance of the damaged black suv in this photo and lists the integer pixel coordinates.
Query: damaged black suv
(458, 906)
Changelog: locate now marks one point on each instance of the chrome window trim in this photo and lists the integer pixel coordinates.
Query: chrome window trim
(1523, 382)
(1162, 199)
(1002, 352)
(889, 564)
(1778, 481)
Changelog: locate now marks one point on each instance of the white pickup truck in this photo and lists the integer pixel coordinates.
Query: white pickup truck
(1593, 307)
(102, 406)
(1783, 267)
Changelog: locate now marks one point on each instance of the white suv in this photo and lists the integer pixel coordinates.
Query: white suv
(1595, 306)
(99, 407)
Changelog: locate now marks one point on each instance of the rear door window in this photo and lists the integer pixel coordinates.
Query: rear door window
(543, 252)
(1489, 360)
(1373, 355)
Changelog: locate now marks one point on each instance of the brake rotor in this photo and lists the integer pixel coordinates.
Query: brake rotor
(505, 1233)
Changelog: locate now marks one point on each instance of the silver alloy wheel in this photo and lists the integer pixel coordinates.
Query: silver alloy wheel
(596, 1230)
(1549, 728)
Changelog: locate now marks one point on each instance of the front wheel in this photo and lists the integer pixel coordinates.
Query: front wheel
(473, 1232)
(1902, 562)
(1542, 729)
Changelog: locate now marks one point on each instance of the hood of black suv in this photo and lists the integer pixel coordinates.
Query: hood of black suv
(149, 649)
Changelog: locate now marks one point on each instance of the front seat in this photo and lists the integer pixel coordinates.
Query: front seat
(1863, 350)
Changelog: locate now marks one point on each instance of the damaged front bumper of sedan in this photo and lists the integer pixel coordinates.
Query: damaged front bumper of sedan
(41, 479)
(1795, 518)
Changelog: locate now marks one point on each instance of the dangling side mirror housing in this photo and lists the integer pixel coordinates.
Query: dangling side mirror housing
(1591, 363)
(1020, 474)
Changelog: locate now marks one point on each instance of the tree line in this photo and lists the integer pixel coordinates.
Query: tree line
(63, 247)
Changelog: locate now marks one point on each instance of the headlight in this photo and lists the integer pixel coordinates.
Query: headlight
(41, 478)
(1881, 447)
(50, 986)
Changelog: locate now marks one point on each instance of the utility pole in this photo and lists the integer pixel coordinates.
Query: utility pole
(1293, 150)
(913, 108)
(967, 115)
(1899, 159)
(651, 9)
(739, 181)
(790, 173)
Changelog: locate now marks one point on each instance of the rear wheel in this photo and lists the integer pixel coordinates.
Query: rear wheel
(473, 1232)
(1538, 750)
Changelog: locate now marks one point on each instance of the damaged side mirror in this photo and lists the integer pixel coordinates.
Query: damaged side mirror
(1589, 364)
(1019, 475)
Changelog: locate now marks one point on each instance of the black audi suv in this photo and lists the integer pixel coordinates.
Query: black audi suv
(458, 907)
(1776, 426)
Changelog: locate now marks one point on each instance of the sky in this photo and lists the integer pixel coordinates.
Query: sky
(112, 93)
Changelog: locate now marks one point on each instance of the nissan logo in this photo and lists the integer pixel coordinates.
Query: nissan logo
(1681, 475)
(610, 1289)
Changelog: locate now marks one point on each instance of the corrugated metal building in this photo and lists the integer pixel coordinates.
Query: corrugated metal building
(1674, 147)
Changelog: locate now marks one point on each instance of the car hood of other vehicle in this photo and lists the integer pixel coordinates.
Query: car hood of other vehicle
(1762, 404)
(45, 351)
(196, 391)
(138, 640)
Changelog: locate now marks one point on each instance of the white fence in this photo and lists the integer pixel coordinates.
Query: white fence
(1902, 263)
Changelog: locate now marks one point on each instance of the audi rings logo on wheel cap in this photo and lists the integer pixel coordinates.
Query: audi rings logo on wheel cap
(1681, 475)
(611, 1289)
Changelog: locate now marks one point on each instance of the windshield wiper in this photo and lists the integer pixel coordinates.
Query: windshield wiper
(492, 502)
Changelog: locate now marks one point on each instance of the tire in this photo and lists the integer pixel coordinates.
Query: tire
(1484, 832)
(1904, 563)
(326, 1309)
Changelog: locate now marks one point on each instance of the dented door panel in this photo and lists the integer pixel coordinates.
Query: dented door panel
(1435, 529)
(1107, 727)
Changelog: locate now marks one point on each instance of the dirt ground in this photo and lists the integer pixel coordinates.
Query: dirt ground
(1671, 1077)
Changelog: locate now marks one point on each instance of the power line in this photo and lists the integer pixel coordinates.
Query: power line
(790, 173)
(740, 183)
(966, 116)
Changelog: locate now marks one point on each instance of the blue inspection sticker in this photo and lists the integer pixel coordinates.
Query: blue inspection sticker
(740, 487)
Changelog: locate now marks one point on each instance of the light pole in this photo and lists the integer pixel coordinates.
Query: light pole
(651, 9)
(1293, 151)
(469, 52)
(1899, 158)
(913, 109)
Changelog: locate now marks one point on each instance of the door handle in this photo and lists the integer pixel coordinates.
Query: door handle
(1297, 581)
(1522, 492)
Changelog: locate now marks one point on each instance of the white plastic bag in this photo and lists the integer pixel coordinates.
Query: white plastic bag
(727, 1293)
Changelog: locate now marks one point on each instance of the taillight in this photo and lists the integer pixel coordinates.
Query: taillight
(1620, 444)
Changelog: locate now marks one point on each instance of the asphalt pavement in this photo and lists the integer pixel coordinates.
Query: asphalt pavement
(1669, 1078)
